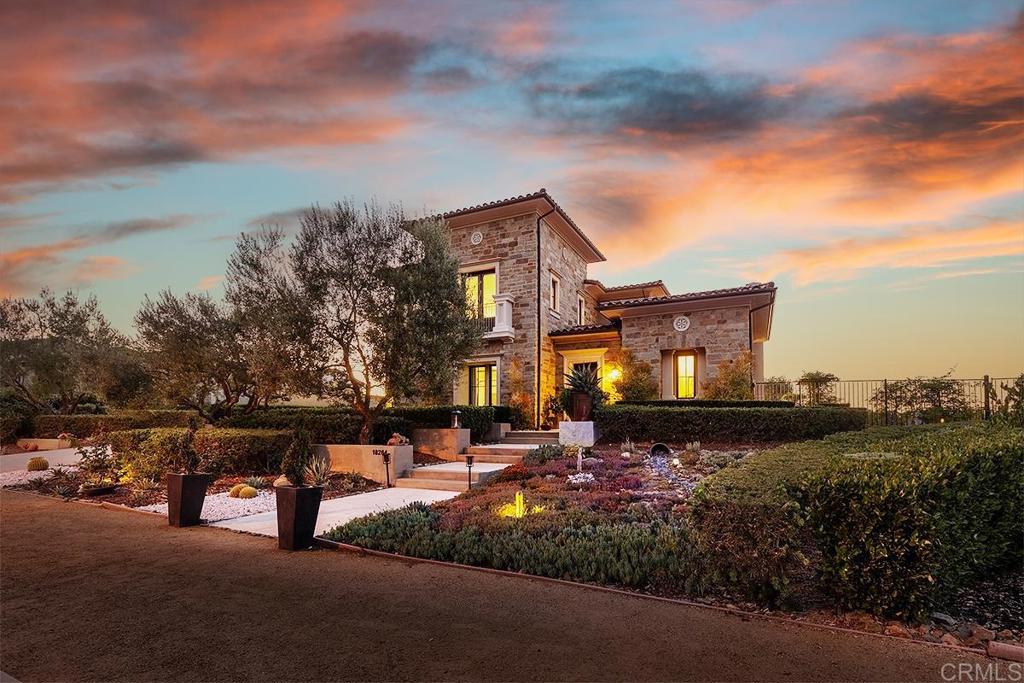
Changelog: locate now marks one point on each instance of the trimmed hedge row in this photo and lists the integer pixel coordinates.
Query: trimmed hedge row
(148, 453)
(323, 425)
(83, 426)
(478, 419)
(10, 428)
(895, 532)
(676, 425)
(709, 403)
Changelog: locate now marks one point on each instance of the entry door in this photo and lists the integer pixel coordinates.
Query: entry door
(483, 385)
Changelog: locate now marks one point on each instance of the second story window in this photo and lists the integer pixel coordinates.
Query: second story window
(556, 293)
(581, 311)
(480, 290)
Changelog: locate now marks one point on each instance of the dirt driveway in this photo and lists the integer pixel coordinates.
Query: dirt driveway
(93, 594)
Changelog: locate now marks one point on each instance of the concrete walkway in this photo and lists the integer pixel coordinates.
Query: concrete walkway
(90, 594)
(337, 511)
(16, 461)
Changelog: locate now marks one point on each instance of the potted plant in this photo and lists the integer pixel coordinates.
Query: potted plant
(186, 487)
(582, 393)
(552, 412)
(97, 462)
(297, 504)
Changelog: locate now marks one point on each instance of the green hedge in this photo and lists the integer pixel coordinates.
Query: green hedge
(82, 426)
(896, 532)
(677, 425)
(324, 425)
(11, 427)
(635, 554)
(708, 403)
(147, 453)
(478, 419)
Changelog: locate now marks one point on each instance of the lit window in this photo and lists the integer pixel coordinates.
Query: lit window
(686, 375)
(480, 290)
(581, 311)
(483, 385)
(556, 294)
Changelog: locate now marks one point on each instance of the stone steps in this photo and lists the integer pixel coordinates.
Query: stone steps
(491, 454)
(432, 484)
(449, 476)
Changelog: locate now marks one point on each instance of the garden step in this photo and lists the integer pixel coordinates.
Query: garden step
(457, 471)
(529, 440)
(433, 484)
(488, 454)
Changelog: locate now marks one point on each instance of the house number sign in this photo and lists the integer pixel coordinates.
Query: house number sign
(681, 323)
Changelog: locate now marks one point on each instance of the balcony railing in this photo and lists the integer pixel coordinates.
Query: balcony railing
(500, 326)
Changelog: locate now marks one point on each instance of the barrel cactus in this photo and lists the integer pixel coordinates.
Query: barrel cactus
(236, 490)
(37, 464)
(247, 492)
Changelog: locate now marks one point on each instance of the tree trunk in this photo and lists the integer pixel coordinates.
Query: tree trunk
(366, 430)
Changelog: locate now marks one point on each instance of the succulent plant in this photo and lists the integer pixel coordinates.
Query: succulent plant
(318, 471)
(247, 492)
(235, 490)
(256, 482)
(37, 464)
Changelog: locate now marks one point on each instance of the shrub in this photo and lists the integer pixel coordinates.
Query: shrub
(84, 426)
(732, 379)
(584, 380)
(895, 533)
(223, 450)
(637, 382)
(633, 554)
(678, 425)
(708, 403)
(10, 428)
(817, 387)
(325, 425)
(297, 457)
(514, 472)
(543, 454)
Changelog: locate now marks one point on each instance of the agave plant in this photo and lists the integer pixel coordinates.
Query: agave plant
(583, 379)
(256, 482)
(318, 471)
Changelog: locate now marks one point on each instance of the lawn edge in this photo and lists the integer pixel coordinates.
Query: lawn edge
(327, 544)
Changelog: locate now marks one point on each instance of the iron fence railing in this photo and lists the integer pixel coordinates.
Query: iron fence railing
(902, 401)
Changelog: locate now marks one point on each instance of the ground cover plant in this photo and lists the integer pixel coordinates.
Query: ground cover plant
(886, 520)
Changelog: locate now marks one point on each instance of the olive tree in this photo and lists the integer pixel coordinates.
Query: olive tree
(368, 307)
(56, 351)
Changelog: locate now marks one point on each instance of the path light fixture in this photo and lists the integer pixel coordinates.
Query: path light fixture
(456, 419)
(469, 471)
(386, 455)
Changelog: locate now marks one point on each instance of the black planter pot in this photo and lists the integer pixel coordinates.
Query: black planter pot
(582, 406)
(185, 496)
(297, 509)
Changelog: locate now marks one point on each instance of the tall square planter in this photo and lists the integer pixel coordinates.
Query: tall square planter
(185, 496)
(297, 510)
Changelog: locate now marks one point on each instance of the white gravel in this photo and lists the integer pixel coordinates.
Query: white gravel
(19, 477)
(222, 506)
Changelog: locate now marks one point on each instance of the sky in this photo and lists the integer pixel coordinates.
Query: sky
(866, 156)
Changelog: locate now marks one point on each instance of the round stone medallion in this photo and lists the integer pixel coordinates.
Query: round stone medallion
(477, 237)
(681, 323)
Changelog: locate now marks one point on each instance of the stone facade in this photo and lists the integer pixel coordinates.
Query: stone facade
(721, 328)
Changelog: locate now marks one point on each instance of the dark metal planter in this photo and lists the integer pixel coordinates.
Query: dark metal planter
(297, 510)
(582, 406)
(185, 496)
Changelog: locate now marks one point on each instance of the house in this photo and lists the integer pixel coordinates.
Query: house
(524, 264)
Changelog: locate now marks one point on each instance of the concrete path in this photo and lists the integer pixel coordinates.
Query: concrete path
(337, 511)
(16, 461)
(90, 594)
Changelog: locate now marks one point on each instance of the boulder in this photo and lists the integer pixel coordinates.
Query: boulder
(950, 639)
(897, 631)
(942, 618)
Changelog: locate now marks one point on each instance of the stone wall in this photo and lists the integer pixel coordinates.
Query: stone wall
(721, 334)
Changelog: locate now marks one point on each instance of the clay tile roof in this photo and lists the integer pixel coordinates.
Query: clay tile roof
(584, 329)
(542, 193)
(749, 288)
(639, 285)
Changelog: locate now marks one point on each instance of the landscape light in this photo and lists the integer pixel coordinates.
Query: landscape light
(614, 374)
(469, 468)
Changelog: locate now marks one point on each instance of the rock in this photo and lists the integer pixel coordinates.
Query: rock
(1010, 651)
(943, 618)
(627, 456)
(1005, 634)
(282, 481)
(550, 476)
(897, 631)
(950, 639)
(978, 635)
(590, 462)
(962, 631)
(931, 639)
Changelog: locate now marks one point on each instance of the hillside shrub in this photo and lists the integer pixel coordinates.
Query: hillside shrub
(732, 380)
(897, 531)
(152, 452)
(324, 425)
(84, 426)
(678, 425)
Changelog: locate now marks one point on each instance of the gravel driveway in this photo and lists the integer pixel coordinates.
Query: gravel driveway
(94, 594)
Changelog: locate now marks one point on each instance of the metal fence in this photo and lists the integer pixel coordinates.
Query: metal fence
(903, 401)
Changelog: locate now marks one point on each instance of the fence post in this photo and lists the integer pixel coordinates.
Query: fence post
(885, 398)
(988, 403)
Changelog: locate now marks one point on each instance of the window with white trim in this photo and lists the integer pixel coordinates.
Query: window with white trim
(581, 310)
(556, 292)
